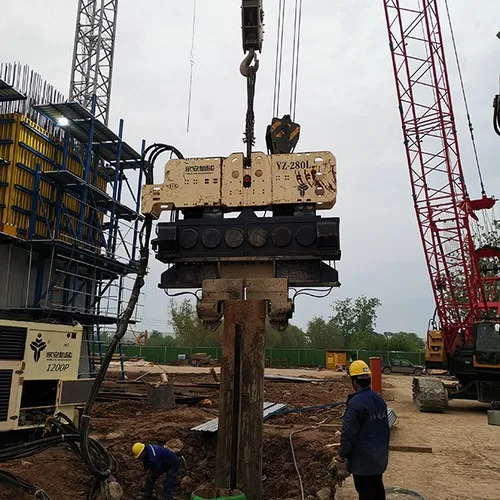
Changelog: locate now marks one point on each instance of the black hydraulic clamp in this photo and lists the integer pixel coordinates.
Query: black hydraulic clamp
(282, 135)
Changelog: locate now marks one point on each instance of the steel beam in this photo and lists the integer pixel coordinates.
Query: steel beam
(239, 439)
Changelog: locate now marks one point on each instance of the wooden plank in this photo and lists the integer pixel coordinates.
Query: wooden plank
(410, 449)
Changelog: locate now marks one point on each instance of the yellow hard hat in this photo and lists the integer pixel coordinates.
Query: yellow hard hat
(359, 367)
(137, 449)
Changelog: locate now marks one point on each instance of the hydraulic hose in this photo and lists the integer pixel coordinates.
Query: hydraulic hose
(102, 466)
(21, 484)
(62, 431)
(496, 114)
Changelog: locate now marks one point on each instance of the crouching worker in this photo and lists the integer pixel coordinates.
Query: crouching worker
(365, 435)
(157, 461)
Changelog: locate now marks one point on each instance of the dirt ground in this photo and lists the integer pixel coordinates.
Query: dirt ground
(463, 465)
(465, 462)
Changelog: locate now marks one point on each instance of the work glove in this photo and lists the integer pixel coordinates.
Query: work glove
(339, 471)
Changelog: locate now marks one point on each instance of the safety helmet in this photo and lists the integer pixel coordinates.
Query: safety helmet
(137, 449)
(359, 368)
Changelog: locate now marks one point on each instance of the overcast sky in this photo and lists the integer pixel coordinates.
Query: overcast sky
(346, 104)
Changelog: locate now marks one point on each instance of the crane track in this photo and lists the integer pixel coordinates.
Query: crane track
(429, 394)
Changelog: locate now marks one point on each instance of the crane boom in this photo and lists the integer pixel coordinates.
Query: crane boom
(468, 341)
(440, 195)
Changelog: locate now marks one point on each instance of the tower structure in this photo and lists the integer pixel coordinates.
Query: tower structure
(92, 66)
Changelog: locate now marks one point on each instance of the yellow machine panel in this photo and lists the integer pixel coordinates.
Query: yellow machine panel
(305, 178)
(187, 183)
(434, 348)
(478, 364)
(259, 192)
(335, 359)
(39, 373)
(52, 353)
(296, 178)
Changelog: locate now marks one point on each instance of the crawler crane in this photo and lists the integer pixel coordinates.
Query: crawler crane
(467, 341)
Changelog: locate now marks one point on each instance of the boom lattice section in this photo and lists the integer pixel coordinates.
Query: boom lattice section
(439, 192)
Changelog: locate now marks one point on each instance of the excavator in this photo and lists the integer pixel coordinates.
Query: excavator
(142, 338)
(464, 335)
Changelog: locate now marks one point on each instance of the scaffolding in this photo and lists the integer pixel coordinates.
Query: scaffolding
(68, 241)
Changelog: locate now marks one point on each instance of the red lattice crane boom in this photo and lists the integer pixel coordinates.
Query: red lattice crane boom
(440, 195)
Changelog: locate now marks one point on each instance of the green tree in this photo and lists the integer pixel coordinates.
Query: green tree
(189, 329)
(105, 338)
(352, 317)
(292, 337)
(272, 336)
(156, 338)
(324, 334)
(404, 341)
(369, 341)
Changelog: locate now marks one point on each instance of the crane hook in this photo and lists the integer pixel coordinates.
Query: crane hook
(246, 63)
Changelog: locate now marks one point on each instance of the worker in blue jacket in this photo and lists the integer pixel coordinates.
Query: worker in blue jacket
(157, 461)
(365, 435)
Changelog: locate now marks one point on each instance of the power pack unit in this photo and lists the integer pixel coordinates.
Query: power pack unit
(39, 373)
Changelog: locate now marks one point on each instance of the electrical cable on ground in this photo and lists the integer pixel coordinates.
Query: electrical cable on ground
(309, 408)
(24, 486)
(295, 458)
(62, 431)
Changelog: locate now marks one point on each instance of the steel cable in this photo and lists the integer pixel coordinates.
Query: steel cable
(295, 57)
(279, 57)
(191, 69)
(464, 95)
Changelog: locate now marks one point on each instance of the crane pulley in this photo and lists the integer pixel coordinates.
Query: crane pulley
(283, 133)
(252, 24)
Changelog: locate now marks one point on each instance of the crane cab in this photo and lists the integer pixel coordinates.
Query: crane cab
(487, 345)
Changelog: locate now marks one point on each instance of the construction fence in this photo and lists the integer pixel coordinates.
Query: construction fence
(279, 358)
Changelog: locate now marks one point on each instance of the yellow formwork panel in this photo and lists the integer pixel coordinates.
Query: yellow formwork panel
(24, 144)
(9, 127)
